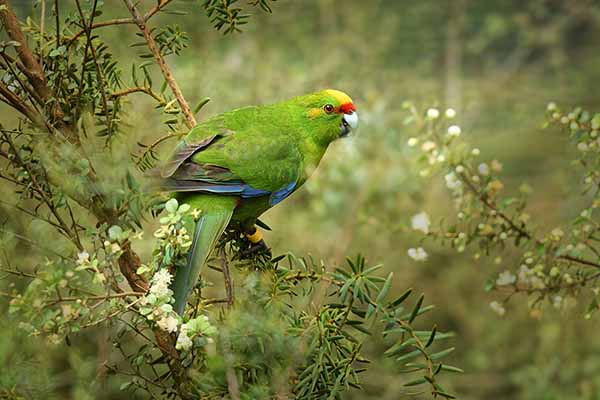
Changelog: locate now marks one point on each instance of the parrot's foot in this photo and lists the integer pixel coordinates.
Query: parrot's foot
(255, 249)
(257, 245)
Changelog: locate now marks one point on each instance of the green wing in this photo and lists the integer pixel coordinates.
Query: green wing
(231, 155)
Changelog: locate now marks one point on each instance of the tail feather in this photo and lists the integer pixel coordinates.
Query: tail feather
(209, 228)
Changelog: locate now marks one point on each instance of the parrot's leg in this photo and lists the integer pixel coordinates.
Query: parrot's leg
(258, 244)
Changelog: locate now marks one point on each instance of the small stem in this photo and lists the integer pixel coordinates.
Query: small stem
(47, 200)
(160, 60)
(42, 30)
(228, 279)
(138, 89)
(119, 21)
(34, 71)
(98, 297)
(521, 231)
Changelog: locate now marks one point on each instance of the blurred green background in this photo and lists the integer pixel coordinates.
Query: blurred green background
(498, 63)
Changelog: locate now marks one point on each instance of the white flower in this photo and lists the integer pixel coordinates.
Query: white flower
(168, 323)
(183, 340)
(115, 248)
(420, 222)
(450, 113)
(160, 283)
(537, 283)
(476, 152)
(496, 166)
(557, 301)
(413, 141)
(433, 113)
(417, 254)
(483, 169)
(83, 258)
(498, 308)
(428, 146)
(524, 273)
(582, 146)
(162, 277)
(506, 278)
(454, 130)
(196, 213)
(160, 290)
(452, 182)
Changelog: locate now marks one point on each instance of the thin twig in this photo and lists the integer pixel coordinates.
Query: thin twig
(118, 21)
(160, 60)
(227, 277)
(18, 273)
(99, 73)
(35, 74)
(97, 297)
(521, 231)
(138, 89)
(32, 243)
(42, 30)
(121, 21)
(48, 201)
(214, 301)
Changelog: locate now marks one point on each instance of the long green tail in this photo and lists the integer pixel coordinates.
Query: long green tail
(216, 214)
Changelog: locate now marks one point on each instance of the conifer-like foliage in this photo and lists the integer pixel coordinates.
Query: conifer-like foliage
(283, 327)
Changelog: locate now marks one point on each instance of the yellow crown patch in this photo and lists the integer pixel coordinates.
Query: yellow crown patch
(341, 97)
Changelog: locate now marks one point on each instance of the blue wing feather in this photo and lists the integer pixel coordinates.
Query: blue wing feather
(282, 194)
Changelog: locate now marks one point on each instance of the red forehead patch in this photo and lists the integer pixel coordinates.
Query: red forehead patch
(348, 108)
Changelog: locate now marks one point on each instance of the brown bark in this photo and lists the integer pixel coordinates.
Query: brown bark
(34, 72)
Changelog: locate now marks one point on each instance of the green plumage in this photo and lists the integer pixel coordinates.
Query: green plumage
(238, 164)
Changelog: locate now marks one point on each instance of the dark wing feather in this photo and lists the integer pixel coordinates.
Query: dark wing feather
(204, 172)
(184, 151)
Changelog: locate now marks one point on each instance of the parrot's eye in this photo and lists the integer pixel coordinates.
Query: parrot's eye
(328, 108)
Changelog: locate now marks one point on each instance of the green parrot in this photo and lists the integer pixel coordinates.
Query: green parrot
(235, 166)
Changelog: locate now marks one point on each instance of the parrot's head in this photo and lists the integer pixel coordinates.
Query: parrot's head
(332, 110)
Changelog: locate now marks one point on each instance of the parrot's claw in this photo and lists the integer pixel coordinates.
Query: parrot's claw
(259, 247)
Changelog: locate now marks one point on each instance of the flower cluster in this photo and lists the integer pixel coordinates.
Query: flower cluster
(172, 229)
(84, 262)
(173, 244)
(197, 330)
(548, 266)
(156, 305)
(174, 240)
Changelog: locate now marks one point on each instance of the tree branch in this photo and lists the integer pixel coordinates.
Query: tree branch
(33, 71)
(121, 21)
(521, 231)
(160, 60)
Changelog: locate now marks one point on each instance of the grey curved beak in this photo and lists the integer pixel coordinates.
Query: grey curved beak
(349, 123)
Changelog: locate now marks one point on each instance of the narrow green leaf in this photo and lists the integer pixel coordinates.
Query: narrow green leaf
(442, 354)
(409, 356)
(201, 104)
(450, 368)
(385, 288)
(400, 299)
(431, 337)
(416, 382)
(415, 310)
